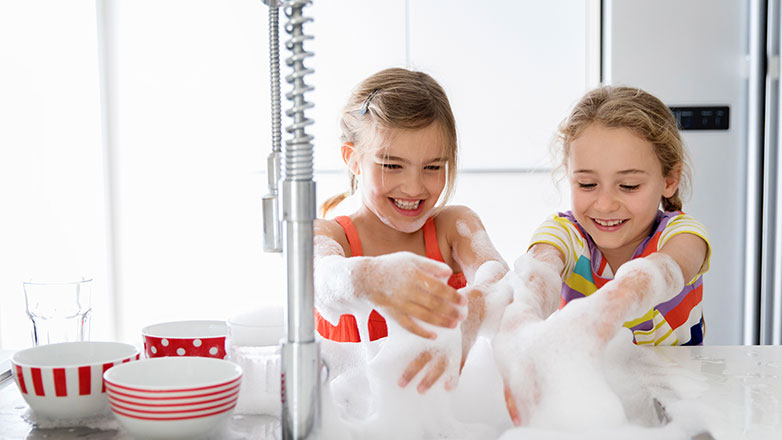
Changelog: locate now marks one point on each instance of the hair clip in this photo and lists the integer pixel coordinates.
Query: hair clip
(365, 104)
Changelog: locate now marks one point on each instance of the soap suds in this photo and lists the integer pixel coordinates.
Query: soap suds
(361, 399)
(345, 285)
(480, 248)
(567, 378)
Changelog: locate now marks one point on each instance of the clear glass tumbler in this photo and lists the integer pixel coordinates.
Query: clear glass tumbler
(59, 311)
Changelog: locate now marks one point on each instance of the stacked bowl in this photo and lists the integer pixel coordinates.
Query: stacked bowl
(173, 397)
(65, 380)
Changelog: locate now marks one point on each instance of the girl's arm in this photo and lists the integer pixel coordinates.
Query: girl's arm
(536, 283)
(401, 285)
(643, 283)
(483, 268)
(540, 273)
(639, 285)
(689, 251)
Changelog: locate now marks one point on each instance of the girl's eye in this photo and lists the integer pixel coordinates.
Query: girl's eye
(586, 185)
(629, 187)
(391, 166)
(433, 167)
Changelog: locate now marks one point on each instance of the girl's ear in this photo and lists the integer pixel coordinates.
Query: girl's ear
(672, 180)
(347, 152)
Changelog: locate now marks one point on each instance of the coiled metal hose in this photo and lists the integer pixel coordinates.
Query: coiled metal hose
(298, 154)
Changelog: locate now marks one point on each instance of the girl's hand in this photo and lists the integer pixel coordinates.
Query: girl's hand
(514, 353)
(424, 361)
(407, 287)
(437, 364)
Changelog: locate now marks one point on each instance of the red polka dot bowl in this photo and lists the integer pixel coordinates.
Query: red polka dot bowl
(185, 338)
(65, 380)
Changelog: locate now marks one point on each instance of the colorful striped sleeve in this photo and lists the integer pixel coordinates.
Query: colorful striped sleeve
(684, 224)
(563, 235)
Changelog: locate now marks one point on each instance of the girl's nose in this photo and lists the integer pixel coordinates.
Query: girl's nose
(606, 201)
(413, 184)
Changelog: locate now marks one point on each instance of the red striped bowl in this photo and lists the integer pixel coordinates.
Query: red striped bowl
(166, 408)
(66, 380)
(173, 397)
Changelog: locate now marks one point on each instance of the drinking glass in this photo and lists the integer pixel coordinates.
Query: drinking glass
(59, 311)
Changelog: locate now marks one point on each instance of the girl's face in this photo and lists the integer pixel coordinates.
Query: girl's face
(402, 182)
(617, 184)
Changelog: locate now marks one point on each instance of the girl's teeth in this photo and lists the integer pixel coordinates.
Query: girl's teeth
(407, 205)
(608, 222)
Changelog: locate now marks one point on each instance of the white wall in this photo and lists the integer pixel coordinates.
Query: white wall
(52, 218)
(191, 101)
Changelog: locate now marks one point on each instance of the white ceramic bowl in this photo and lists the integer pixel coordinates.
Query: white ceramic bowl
(185, 338)
(173, 397)
(66, 380)
(257, 328)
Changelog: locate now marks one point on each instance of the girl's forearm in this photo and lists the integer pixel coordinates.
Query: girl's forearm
(638, 286)
(539, 274)
(486, 300)
(340, 286)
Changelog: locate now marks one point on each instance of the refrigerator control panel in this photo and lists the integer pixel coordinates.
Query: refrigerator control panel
(702, 118)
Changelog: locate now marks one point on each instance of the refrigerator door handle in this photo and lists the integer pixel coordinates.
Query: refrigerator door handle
(771, 277)
(756, 101)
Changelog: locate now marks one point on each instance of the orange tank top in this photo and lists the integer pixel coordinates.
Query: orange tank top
(347, 328)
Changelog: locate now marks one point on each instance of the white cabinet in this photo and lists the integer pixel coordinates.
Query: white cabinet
(511, 69)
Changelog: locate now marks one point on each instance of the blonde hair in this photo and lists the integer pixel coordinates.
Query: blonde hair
(392, 99)
(643, 114)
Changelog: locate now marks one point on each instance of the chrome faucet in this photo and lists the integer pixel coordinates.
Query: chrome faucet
(300, 370)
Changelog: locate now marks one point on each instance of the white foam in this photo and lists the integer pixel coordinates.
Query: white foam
(346, 285)
(540, 282)
(496, 295)
(481, 249)
(569, 378)
(656, 279)
(605, 396)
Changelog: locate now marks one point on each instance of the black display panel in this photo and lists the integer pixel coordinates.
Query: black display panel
(702, 118)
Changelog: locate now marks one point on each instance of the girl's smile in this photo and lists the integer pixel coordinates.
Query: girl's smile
(410, 208)
(608, 225)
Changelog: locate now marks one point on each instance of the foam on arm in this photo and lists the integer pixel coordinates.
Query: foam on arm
(356, 285)
(338, 281)
(641, 284)
(539, 272)
(484, 269)
(473, 249)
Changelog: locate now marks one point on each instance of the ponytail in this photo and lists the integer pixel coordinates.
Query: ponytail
(673, 203)
(333, 201)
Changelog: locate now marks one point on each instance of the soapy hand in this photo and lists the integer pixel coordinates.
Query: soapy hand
(551, 367)
(434, 362)
(582, 328)
(409, 287)
(514, 353)
(439, 363)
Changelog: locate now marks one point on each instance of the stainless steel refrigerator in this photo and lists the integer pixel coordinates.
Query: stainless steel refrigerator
(716, 64)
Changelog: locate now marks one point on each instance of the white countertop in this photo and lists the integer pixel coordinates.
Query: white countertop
(743, 388)
(742, 398)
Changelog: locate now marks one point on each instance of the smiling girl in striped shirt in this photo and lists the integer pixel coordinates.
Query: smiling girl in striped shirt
(626, 254)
